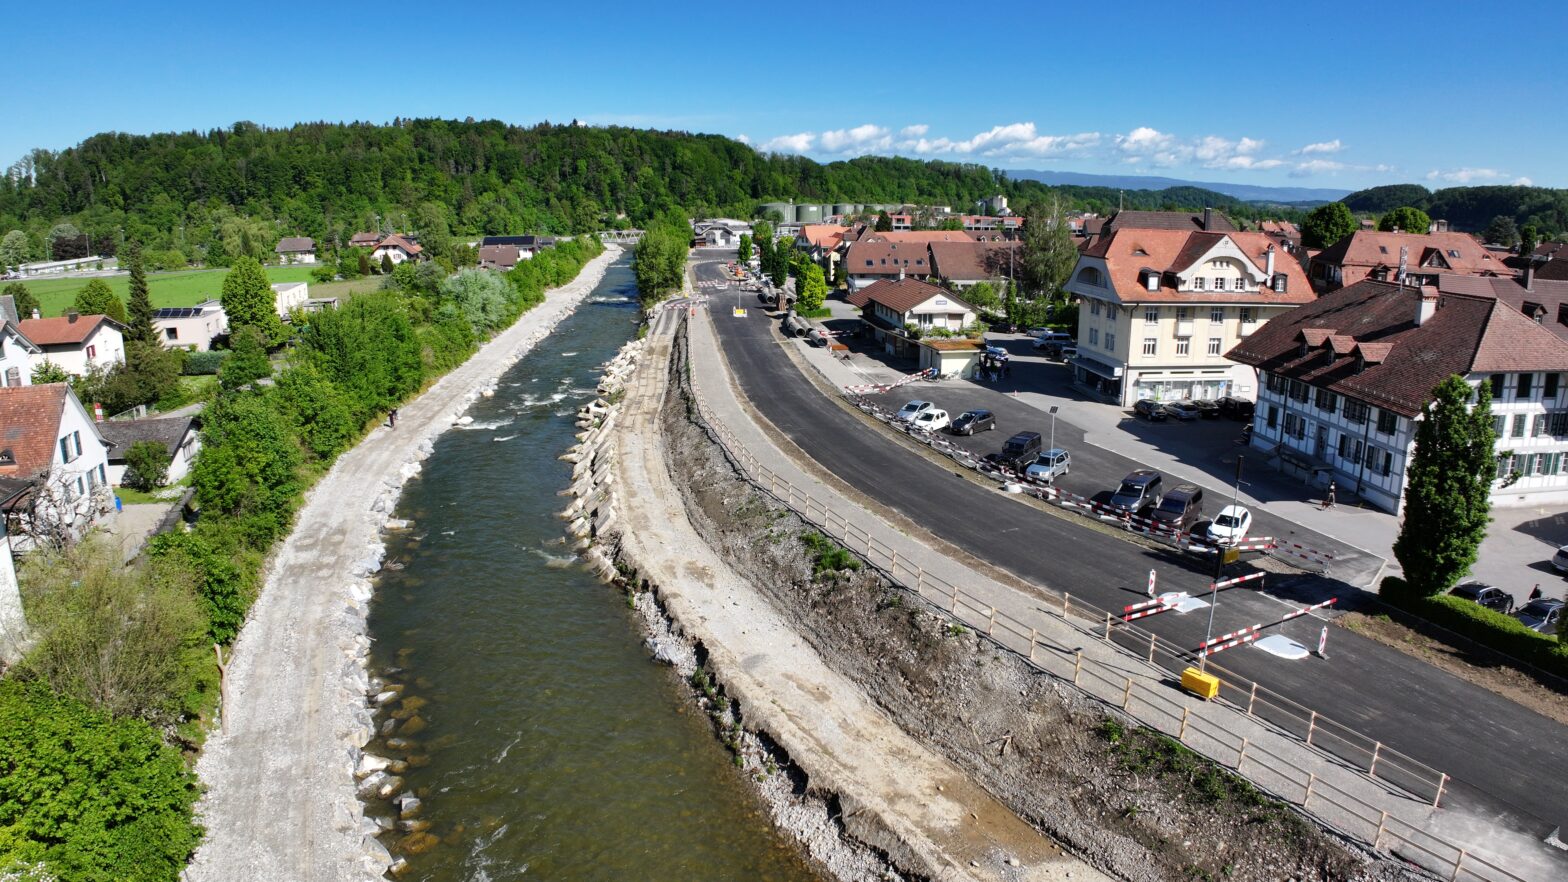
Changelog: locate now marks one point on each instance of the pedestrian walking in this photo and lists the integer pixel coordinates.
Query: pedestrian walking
(1328, 498)
(392, 418)
(1535, 594)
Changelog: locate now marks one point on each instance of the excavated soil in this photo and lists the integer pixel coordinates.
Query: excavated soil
(1132, 803)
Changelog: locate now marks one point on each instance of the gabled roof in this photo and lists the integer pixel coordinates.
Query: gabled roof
(30, 427)
(63, 331)
(1129, 253)
(8, 309)
(887, 258)
(292, 244)
(1167, 220)
(9, 329)
(1551, 295)
(1431, 252)
(364, 240)
(826, 236)
(902, 295)
(168, 431)
(515, 241)
(397, 241)
(500, 255)
(970, 261)
(1396, 363)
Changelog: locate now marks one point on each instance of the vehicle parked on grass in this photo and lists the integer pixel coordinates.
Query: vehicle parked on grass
(1489, 596)
(1231, 526)
(1149, 409)
(1019, 451)
(930, 420)
(1236, 408)
(912, 409)
(1207, 409)
(1182, 410)
(971, 421)
(1560, 559)
(1542, 615)
(1180, 509)
(1139, 491)
(1049, 465)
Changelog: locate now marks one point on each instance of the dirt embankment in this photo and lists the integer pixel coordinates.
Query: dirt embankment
(1133, 803)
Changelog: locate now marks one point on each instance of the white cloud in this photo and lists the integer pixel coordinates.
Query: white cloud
(1013, 139)
(1523, 181)
(798, 143)
(860, 139)
(743, 138)
(1144, 141)
(1315, 167)
(1333, 146)
(915, 131)
(1466, 175)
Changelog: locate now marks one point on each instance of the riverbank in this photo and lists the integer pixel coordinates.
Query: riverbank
(281, 801)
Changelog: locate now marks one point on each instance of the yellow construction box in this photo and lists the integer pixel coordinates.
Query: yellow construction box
(1203, 685)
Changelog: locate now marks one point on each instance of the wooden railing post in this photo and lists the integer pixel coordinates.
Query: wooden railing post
(1252, 699)
(954, 610)
(1032, 634)
(1077, 665)
(1376, 750)
(1151, 648)
(1382, 822)
(1441, 783)
(1312, 726)
(1067, 602)
(1241, 755)
(1312, 778)
(1186, 712)
(1127, 694)
(990, 626)
(1107, 626)
(1458, 862)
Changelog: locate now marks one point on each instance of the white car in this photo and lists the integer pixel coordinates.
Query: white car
(912, 410)
(1560, 559)
(1231, 525)
(930, 420)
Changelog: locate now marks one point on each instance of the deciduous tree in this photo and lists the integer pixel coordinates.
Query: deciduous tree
(146, 465)
(1529, 237)
(249, 301)
(743, 253)
(1327, 224)
(813, 288)
(884, 222)
(247, 362)
(1406, 220)
(97, 298)
(1502, 231)
(1047, 255)
(1447, 496)
(14, 249)
(25, 302)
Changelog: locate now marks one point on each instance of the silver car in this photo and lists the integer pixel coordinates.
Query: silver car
(1542, 615)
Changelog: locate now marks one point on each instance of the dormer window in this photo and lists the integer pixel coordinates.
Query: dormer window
(1280, 280)
(1219, 283)
(1199, 283)
(1151, 280)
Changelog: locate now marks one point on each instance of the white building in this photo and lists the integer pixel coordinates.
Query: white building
(75, 264)
(296, 249)
(398, 249)
(178, 435)
(190, 327)
(77, 343)
(1346, 377)
(290, 296)
(17, 354)
(887, 307)
(48, 440)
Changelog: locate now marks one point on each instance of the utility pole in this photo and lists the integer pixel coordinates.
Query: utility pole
(1219, 570)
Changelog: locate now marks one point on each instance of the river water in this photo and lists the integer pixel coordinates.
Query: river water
(553, 747)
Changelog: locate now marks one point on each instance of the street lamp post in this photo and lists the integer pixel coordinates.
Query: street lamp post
(1219, 570)
(1053, 411)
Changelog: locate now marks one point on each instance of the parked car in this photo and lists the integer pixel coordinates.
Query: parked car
(930, 420)
(1049, 466)
(1149, 409)
(996, 352)
(1044, 337)
(1236, 408)
(1560, 560)
(1231, 526)
(1541, 615)
(1207, 409)
(1019, 451)
(1069, 353)
(1139, 491)
(1180, 509)
(972, 421)
(912, 410)
(1489, 596)
(1182, 410)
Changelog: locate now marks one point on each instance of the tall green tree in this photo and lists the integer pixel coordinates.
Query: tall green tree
(14, 249)
(1502, 231)
(783, 250)
(1529, 237)
(659, 262)
(1406, 220)
(25, 302)
(248, 299)
(813, 288)
(139, 312)
(1047, 255)
(743, 253)
(247, 361)
(1327, 224)
(97, 298)
(1447, 497)
(884, 222)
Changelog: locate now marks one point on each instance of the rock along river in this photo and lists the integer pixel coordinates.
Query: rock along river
(548, 745)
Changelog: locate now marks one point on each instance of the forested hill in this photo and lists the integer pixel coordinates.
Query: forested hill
(235, 190)
(1471, 208)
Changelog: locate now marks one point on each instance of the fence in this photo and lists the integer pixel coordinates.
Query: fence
(1161, 708)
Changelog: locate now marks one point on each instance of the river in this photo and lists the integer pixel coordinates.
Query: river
(553, 747)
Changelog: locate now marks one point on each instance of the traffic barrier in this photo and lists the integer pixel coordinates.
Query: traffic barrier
(1250, 633)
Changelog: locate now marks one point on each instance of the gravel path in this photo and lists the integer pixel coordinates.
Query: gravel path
(280, 802)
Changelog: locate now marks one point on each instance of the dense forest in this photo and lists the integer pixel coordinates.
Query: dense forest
(1471, 208)
(226, 193)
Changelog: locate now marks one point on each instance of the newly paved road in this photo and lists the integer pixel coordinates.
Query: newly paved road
(1506, 761)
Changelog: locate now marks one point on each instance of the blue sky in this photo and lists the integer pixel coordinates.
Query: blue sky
(1329, 94)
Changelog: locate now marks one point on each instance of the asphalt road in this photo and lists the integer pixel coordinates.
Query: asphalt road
(1505, 760)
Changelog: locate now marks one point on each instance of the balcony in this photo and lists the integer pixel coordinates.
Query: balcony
(1184, 328)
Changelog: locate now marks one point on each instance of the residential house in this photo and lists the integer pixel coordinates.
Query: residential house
(527, 246)
(397, 247)
(73, 265)
(1209, 221)
(180, 436)
(1549, 260)
(889, 305)
(1160, 308)
(77, 343)
(719, 231)
(289, 296)
(190, 327)
(296, 249)
(364, 240)
(1284, 233)
(1347, 376)
(17, 353)
(902, 222)
(1417, 257)
(499, 257)
(875, 256)
(48, 440)
(963, 264)
(820, 243)
(1011, 223)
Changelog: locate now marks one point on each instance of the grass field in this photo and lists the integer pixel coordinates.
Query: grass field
(185, 288)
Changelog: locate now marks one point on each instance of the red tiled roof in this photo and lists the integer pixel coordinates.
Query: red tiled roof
(1371, 248)
(1551, 295)
(1128, 253)
(887, 258)
(30, 426)
(825, 235)
(969, 261)
(62, 331)
(902, 295)
(1186, 221)
(400, 242)
(1403, 361)
(364, 240)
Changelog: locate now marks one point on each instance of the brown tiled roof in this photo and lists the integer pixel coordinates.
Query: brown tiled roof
(1167, 220)
(1370, 248)
(400, 242)
(1551, 295)
(902, 295)
(887, 258)
(63, 331)
(364, 240)
(1404, 361)
(30, 426)
(1129, 252)
(921, 236)
(967, 261)
(505, 256)
(291, 244)
(1279, 228)
(1093, 226)
(825, 235)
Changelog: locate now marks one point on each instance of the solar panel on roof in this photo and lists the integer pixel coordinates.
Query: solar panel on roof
(173, 312)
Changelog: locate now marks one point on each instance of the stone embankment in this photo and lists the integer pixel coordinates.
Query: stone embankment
(285, 775)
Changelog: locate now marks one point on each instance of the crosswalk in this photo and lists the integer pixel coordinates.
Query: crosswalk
(712, 283)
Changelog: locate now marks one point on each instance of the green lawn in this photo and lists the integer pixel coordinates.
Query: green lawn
(184, 288)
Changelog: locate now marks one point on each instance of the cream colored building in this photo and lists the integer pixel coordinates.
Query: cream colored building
(1160, 308)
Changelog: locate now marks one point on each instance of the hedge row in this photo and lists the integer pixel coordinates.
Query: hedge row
(1489, 628)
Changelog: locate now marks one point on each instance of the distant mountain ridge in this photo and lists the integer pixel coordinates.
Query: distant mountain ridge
(1244, 192)
(1471, 208)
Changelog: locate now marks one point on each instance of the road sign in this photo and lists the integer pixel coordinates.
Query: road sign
(1323, 643)
(1151, 583)
(739, 312)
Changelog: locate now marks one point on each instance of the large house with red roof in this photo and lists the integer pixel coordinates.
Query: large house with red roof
(53, 456)
(1160, 307)
(1346, 377)
(1421, 257)
(77, 343)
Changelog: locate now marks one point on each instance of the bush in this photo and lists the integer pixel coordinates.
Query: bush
(1494, 630)
(204, 364)
(146, 465)
(327, 272)
(226, 573)
(827, 555)
(90, 797)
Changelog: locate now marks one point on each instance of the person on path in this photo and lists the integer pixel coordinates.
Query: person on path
(1535, 594)
(1328, 498)
(392, 418)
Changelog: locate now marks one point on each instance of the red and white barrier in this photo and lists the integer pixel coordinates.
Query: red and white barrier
(1249, 634)
(1236, 581)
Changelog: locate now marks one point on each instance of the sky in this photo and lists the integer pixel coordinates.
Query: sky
(1339, 95)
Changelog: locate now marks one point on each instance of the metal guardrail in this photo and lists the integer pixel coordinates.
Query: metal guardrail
(1155, 707)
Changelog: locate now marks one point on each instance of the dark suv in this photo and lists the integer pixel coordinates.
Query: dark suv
(1491, 597)
(1180, 509)
(1149, 409)
(1139, 491)
(1020, 451)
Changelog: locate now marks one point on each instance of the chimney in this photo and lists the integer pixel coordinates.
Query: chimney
(37, 314)
(1208, 219)
(1428, 307)
(1268, 269)
(1529, 275)
(71, 316)
(901, 273)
